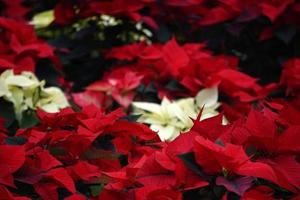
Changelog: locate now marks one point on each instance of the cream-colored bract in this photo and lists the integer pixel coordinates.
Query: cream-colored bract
(172, 117)
(43, 19)
(26, 92)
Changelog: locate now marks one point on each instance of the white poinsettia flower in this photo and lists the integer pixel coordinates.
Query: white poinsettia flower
(25, 92)
(53, 100)
(43, 19)
(170, 118)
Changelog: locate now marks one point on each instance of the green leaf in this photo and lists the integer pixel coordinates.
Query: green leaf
(58, 151)
(15, 140)
(7, 110)
(131, 118)
(163, 34)
(174, 85)
(100, 154)
(29, 119)
(96, 189)
(220, 143)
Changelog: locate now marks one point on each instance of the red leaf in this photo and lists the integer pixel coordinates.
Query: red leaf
(259, 125)
(210, 128)
(239, 79)
(175, 57)
(155, 192)
(232, 158)
(5, 194)
(46, 161)
(114, 195)
(260, 192)
(259, 170)
(136, 129)
(90, 97)
(76, 197)
(274, 11)
(11, 158)
(86, 171)
(216, 15)
(288, 140)
(188, 179)
(61, 176)
(287, 169)
(290, 76)
(46, 190)
(123, 144)
(182, 144)
(157, 170)
(126, 52)
(64, 12)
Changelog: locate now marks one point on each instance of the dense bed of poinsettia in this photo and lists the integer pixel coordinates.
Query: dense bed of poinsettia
(149, 99)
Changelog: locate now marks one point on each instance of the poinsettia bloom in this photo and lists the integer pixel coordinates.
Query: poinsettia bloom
(26, 92)
(229, 160)
(20, 46)
(117, 84)
(172, 117)
(53, 100)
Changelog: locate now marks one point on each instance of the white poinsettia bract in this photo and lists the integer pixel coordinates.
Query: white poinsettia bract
(26, 92)
(170, 118)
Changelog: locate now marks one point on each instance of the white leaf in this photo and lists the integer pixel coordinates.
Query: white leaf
(3, 88)
(20, 81)
(165, 133)
(207, 97)
(150, 107)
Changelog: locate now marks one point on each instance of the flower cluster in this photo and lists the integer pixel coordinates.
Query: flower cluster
(26, 92)
(194, 67)
(197, 12)
(149, 100)
(118, 85)
(20, 46)
(171, 118)
(67, 147)
(243, 158)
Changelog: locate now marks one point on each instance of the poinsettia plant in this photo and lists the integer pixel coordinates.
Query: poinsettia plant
(149, 100)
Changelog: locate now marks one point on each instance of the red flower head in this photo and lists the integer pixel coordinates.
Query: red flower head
(19, 46)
